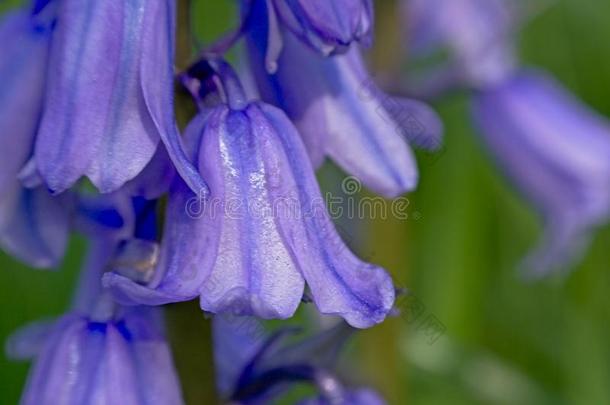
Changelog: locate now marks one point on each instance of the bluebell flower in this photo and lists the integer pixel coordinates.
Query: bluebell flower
(327, 26)
(552, 147)
(340, 112)
(110, 94)
(99, 352)
(33, 224)
(255, 366)
(84, 360)
(263, 232)
(556, 151)
(476, 33)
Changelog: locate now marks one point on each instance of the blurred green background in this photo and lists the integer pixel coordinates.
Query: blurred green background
(504, 341)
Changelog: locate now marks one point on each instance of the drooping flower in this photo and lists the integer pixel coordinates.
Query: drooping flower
(557, 151)
(340, 112)
(477, 34)
(99, 352)
(263, 232)
(551, 146)
(33, 224)
(110, 94)
(26, 37)
(84, 360)
(327, 26)
(255, 366)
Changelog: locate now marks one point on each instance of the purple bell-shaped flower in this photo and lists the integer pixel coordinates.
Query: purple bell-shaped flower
(33, 223)
(340, 112)
(557, 152)
(264, 231)
(110, 94)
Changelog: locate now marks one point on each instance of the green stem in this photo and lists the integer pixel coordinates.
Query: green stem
(189, 333)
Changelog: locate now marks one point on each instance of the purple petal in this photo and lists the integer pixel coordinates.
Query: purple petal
(476, 32)
(24, 57)
(328, 26)
(416, 121)
(341, 284)
(34, 225)
(95, 122)
(28, 340)
(157, 82)
(331, 103)
(84, 361)
(111, 215)
(557, 152)
(47, 380)
(152, 358)
(320, 350)
(236, 342)
(155, 179)
(29, 176)
(254, 272)
(183, 265)
(362, 136)
(89, 289)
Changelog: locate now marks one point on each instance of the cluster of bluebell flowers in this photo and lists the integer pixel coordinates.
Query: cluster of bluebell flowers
(227, 210)
(90, 144)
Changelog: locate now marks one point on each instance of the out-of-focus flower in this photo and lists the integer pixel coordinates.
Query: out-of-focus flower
(553, 147)
(99, 352)
(557, 151)
(255, 366)
(24, 55)
(263, 232)
(84, 360)
(341, 113)
(328, 26)
(477, 34)
(110, 94)
(33, 224)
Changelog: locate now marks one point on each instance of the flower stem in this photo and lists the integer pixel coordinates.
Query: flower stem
(189, 333)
